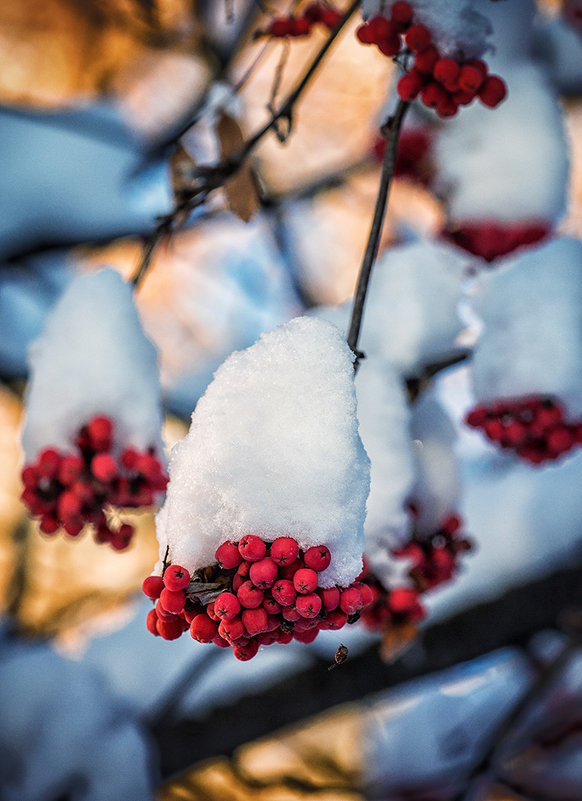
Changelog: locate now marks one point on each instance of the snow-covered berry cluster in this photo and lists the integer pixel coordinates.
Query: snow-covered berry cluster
(442, 82)
(433, 559)
(69, 490)
(491, 239)
(301, 24)
(257, 593)
(535, 428)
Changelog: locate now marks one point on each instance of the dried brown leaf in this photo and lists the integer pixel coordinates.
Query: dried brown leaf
(241, 190)
(397, 639)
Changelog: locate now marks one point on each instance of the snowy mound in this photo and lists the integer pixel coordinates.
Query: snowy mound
(402, 323)
(490, 170)
(274, 450)
(93, 359)
(457, 27)
(532, 314)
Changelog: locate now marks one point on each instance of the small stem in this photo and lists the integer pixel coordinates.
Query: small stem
(391, 130)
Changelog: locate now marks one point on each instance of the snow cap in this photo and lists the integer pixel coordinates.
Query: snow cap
(93, 358)
(273, 450)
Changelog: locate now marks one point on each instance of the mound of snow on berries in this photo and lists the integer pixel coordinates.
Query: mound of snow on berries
(532, 314)
(490, 170)
(273, 450)
(456, 27)
(92, 359)
(403, 324)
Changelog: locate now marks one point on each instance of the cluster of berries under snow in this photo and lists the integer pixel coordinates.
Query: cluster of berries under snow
(443, 82)
(71, 489)
(256, 593)
(301, 24)
(93, 415)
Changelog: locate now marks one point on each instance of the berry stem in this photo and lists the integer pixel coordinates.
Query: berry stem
(391, 131)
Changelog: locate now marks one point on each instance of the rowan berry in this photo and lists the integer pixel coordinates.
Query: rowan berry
(151, 622)
(176, 577)
(284, 550)
(306, 636)
(402, 599)
(284, 637)
(317, 558)
(409, 86)
(446, 71)
(228, 555)
(284, 592)
(271, 606)
(100, 433)
(69, 504)
(493, 91)
(418, 37)
(49, 524)
(104, 467)
(470, 79)
(220, 641)
(305, 580)
(263, 573)
(227, 606)
(381, 29)
(424, 62)
(308, 605)
(211, 613)
(173, 601)
(48, 462)
(152, 587)
(390, 45)
(254, 620)
(402, 12)
(365, 34)
(252, 548)
(330, 598)
(232, 630)
(203, 628)
(290, 613)
(433, 94)
(247, 651)
(70, 469)
(334, 620)
(350, 600)
(250, 596)
(288, 571)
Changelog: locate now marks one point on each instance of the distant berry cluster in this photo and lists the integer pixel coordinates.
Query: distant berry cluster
(490, 239)
(70, 490)
(257, 593)
(434, 560)
(301, 24)
(535, 428)
(441, 82)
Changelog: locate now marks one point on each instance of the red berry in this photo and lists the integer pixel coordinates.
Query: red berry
(299, 26)
(263, 573)
(317, 558)
(246, 652)
(173, 601)
(170, 629)
(151, 622)
(284, 550)
(560, 439)
(402, 12)
(402, 599)
(69, 505)
(203, 628)
(48, 462)
(365, 34)
(176, 577)
(227, 606)
(211, 613)
(330, 18)
(100, 433)
(284, 592)
(288, 571)
(249, 596)
(330, 598)
(305, 580)
(254, 620)
(446, 108)
(367, 593)
(70, 469)
(390, 46)
(49, 524)
(380, 29)
(252, 548)
(305, 636)
(152, 587)
(336, 619)
(271, 606)
(290, 613)
(279, 27)
(314, 12)
(220, 641)
(231, 630)
(308, 605)
(418, 37)
(446, 71)
(433, 94)
(104, 467)
(129, 457)
(350, 600)
(470, 79)
(284, 637)
(73, 526)
(493, 91)
(425, 61)
(228, 556)
(409, 86)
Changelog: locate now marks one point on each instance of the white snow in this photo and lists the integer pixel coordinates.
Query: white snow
(274, 450)
(457, 28)
(532, 314)
(508, 164)
(92, 358)
(437, 489)
(404, 323)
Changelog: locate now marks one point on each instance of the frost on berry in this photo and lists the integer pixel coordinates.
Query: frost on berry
(85, 405)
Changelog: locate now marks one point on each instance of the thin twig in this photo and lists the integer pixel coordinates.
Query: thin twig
(415, 384)
(391, 130)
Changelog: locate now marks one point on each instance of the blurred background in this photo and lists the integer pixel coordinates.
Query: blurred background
(97, 104)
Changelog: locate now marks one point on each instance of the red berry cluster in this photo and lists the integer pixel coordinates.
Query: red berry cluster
(535, 428)
(301, 25)
(413, 156)
(490, 239)
(69, 490)
(442, 83)
(269, 593)
(434, 561)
